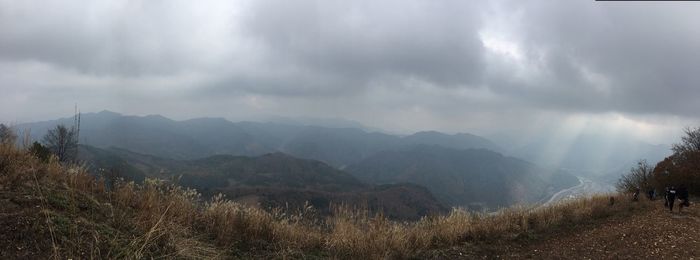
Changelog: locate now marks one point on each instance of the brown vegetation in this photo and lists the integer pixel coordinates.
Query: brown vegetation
(650, 234)
(681, 169)
(61, 211)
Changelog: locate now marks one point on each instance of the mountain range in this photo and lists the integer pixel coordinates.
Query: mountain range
(217, 155)
(274, 180)
(203, 137)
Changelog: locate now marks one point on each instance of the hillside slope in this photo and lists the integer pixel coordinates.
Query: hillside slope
(270, 181)
(464, 177)
(650, 234)
(457, 141)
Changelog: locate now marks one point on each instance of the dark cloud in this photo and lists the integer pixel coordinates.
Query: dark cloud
(436, 41)
(125, 38)
(643, 54)
(453, 65)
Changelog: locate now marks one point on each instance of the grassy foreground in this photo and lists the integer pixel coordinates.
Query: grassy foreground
(48, 210)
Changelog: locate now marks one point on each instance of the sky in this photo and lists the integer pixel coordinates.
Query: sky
(508, 67)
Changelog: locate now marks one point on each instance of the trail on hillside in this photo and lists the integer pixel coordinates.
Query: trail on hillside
(656, 234)
(652, 234)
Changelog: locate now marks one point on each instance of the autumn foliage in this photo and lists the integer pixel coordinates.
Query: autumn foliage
(682, 168)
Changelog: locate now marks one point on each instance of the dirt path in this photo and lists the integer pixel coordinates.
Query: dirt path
(654, 234)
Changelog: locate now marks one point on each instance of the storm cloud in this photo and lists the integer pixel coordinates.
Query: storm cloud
(459, 66)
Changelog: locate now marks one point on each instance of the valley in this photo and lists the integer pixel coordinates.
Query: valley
(458, 170)
(586, 187)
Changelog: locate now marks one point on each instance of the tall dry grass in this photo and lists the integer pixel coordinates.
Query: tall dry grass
(159, 220)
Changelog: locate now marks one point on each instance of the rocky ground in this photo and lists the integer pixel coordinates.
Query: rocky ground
(653, 234)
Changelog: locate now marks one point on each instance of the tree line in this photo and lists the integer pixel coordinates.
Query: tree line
(60, 141)
(682, 168)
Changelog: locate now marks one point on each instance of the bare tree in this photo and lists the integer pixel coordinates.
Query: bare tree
(639, 177)
(683, 167)
(62, 142)
(7, 135)
(690, 143)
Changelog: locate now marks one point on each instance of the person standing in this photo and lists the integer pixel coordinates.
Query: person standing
(671, 197)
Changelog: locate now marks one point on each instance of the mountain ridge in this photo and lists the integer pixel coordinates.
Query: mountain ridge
(202, 137)
(273, 180)
(475, 178)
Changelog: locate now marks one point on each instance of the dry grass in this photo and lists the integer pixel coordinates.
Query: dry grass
(159, 220)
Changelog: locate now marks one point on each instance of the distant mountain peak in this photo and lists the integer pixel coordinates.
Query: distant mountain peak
(108, 113)
(459, 141)
(429, 132)
(210, 119)
(157, 116)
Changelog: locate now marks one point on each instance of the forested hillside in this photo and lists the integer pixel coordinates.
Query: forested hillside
(474, 177)
(273, 180)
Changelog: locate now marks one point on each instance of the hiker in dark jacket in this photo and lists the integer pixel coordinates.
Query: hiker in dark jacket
(683, 197)
(671, 197)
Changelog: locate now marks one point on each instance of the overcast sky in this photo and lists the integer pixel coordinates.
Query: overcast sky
(457, 66)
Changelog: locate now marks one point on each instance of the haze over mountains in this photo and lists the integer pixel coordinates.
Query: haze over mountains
(338, 142)
(202, 137)
(594, 156)
(346, 164)
(463, 177)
